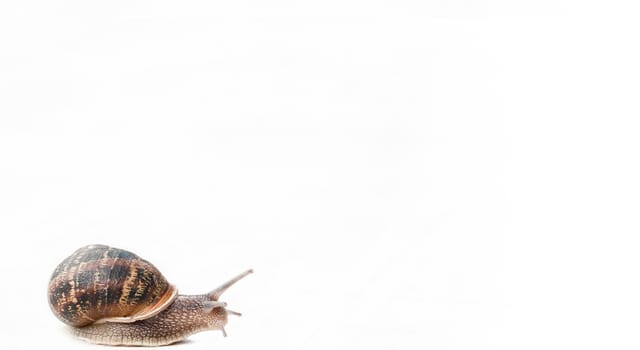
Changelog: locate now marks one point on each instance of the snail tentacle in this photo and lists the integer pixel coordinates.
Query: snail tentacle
(216, 293)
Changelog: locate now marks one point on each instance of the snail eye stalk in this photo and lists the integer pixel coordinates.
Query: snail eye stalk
(216, 293)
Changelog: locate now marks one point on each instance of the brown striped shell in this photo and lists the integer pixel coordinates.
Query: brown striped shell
(98, 283)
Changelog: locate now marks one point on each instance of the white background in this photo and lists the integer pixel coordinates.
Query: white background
(400, 174)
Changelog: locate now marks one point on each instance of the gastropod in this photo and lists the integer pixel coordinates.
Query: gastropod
(111, 296)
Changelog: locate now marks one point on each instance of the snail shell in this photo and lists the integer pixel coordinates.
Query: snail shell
(98, 283)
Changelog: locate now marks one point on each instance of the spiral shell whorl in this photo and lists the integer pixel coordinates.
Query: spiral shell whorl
(98, 282)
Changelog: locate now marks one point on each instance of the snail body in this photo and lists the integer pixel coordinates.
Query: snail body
(111, 296)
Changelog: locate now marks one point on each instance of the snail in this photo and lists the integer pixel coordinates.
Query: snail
(111, 296)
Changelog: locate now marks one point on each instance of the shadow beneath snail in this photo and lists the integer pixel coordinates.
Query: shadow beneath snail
(180, 343)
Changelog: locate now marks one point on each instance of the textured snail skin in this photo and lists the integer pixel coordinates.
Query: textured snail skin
(186, 316)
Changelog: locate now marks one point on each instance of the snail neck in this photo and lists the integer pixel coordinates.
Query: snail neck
(195, 311)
